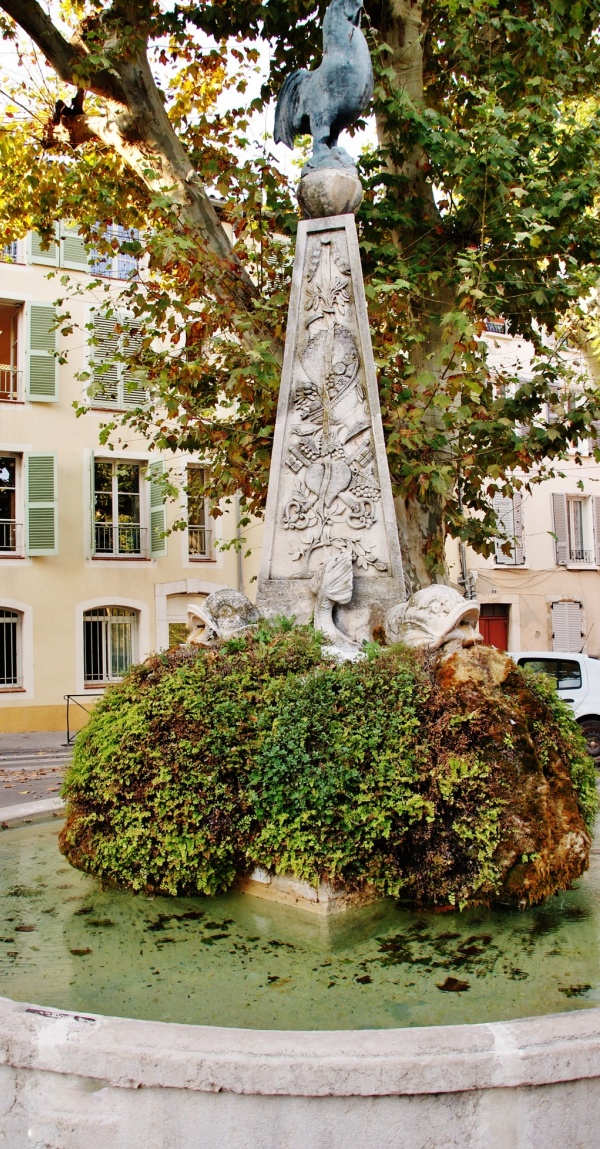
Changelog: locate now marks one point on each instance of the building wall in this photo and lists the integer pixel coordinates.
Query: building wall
(529, 589)
(52, 591)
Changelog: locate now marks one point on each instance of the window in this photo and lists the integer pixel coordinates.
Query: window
(10, 376)
(120, 264)
(115, 383)
(566, 673)
(509, 517)
(10, 653)
(496, 326)
(117, 523)
(576, 529)
(11, 531)
(42, 363)
(10, 252)
(199, 530)
(178, 633)
(578, 552)
(69, 250)
(567, 630)
(28, 504)
(109, 643)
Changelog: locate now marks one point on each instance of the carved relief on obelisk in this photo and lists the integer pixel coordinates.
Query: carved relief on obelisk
(329, 490)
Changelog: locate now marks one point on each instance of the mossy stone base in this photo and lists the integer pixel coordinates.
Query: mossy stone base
(452, 783)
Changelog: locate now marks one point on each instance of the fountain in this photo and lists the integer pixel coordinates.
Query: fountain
(273, 775)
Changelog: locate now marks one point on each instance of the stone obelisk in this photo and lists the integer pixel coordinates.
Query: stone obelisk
(331, 536)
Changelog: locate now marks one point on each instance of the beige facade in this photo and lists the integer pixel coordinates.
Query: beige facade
(545, 595)
(87, 579)
(89, 582)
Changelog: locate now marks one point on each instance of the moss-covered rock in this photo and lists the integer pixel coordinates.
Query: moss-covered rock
(460, 782)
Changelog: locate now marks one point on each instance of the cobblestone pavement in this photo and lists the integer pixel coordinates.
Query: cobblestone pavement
(32, 766)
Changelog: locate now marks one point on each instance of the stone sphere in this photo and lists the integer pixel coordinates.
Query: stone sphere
(329, 191)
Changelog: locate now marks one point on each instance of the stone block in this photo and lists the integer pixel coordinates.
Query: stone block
(329, 191)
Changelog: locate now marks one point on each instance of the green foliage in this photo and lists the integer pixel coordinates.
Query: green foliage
(481, 202)
(581, 767)
(203, 763)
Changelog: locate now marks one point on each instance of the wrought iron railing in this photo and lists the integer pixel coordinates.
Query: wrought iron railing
(10, 384)
(11, 537)
(70, 698)
(200, 542)
(119, 539)
(580, 556)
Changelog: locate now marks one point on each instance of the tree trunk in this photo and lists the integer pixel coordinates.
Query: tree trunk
(136, 126)
(420, 525)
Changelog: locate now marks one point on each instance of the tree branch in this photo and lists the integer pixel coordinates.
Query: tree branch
(135, 124)
(69, 60)
(63, 56)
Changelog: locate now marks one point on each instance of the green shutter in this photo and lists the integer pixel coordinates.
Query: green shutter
(42, 373)
(38, 254)
(134, 394)
(158, 513)
(41, 506)
(105, 372)
(74, 253)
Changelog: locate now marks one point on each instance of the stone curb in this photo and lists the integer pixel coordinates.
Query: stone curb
(30, 811)
(130, 1054)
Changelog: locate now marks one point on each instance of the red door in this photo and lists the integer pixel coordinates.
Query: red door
(493, 625)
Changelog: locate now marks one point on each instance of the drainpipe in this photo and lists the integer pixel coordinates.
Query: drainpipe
(466, 579)
(238, 535)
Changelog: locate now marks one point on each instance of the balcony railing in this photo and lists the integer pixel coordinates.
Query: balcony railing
(200, 541)
(579, 556)
(124, 540)
(11, 537)
(496, 326)
(10, 384)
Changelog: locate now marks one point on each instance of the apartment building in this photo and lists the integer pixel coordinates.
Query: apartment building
(89, 580)
(545, 594)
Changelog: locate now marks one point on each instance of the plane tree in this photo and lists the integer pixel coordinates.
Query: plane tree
(481, 203)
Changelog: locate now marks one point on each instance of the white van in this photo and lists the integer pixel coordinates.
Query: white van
(577, 680)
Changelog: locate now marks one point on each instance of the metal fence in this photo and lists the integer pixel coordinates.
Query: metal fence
(11, 537)
(200, 542)
(579, 556)
(73, 698)
(121, 539)
(10, 384)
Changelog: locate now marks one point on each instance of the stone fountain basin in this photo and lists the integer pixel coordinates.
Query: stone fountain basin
(87, 1081)
(69, 1081)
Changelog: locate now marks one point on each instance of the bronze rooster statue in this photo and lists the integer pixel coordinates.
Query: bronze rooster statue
(326, 101)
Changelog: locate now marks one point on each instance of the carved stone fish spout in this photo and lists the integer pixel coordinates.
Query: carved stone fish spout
(332, 584)
(224, 614)
(436, 616)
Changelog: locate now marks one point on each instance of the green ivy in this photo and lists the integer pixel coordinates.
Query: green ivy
(381, 772)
